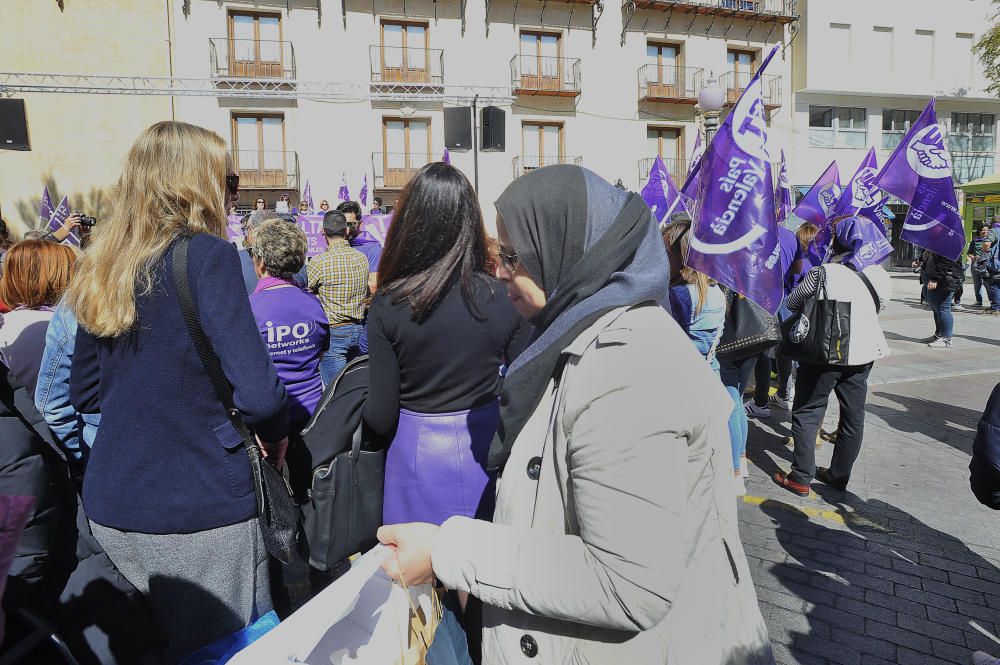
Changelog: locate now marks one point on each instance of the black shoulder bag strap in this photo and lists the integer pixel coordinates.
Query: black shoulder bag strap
(211, 362)
(872, 291)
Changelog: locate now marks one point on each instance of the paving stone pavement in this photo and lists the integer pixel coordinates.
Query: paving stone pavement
(904, 567)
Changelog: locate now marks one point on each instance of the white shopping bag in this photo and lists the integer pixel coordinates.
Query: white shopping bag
(360, 619)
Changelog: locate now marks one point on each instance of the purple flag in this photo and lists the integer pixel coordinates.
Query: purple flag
(734, 238)
(307, 195)
(446, 157)
(660, 193)
(46, 209)
(866, 241)
(364, 192)
(696, 154)
(343, 194)
(817, 206)
(861, 195)
(919, 172)
(59, 215)
(783, 192)
(374, 228)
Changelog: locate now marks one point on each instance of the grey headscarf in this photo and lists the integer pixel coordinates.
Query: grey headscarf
(592, 248)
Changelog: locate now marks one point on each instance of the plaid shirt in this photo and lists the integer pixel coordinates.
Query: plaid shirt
(340, 277)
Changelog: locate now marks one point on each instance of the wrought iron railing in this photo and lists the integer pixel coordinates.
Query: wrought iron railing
(545, 74)
(526, 163)
(393, 170)
(735, 82)
(776, 8)
(407, 66)
(267, 169)
(657, 82)
(251, 58)
(677, 168)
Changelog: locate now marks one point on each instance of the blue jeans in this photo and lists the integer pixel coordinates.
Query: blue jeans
(940, 300)
(735, 376)
(977, 286)
(993, 291)
(343, 339)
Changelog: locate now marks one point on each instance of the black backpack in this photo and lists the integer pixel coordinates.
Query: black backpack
(344, 507)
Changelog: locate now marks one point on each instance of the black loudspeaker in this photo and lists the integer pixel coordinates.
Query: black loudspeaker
(458, 128)
(13, 125)
(493, 137)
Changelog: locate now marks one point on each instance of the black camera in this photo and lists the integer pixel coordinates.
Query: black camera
(87, 222)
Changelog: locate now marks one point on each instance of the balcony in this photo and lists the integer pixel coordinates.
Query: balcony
(526, 163)
(251, 59)
(782, 11)
(399, 67)
(968, 166)
(394, 169)
(267, 169)
(676, 85)
(677, 168)
(734, 83)
(545, 75)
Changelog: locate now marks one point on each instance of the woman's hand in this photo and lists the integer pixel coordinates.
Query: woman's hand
(931, 286)
(411, 560)
(274, 452)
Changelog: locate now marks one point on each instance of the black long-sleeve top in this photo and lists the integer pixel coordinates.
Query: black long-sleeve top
(944, 271)
(448, 362)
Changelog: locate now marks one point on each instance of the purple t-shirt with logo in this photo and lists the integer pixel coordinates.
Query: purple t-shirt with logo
(791, 251)
(296, 333)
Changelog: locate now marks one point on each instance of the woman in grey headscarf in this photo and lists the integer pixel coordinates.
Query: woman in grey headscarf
(614, 538)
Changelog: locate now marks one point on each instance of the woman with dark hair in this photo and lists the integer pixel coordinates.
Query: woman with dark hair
(438, 332)
(615, 535)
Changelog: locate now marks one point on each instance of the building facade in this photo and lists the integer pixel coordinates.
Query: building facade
(316, 91)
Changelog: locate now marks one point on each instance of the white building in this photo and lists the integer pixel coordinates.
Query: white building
(863, 70)
(605, 86)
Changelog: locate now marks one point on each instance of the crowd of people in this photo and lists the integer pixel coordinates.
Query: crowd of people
(541, 464)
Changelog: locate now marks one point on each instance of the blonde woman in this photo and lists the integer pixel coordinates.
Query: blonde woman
(168, 488)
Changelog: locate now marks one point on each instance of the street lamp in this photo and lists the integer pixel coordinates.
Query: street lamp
(710, 99)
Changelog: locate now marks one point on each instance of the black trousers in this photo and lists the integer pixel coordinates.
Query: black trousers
(813, 385)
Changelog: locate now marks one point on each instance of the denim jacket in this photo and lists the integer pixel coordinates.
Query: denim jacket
(52, 392)
(705, 327)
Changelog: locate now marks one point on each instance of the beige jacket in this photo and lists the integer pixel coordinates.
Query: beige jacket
(615, 539)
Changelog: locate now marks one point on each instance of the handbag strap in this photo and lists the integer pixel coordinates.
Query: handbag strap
(872, 291)
(209, 359)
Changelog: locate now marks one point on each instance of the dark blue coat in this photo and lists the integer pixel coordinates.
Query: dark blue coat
(985, 465)
(166, 458)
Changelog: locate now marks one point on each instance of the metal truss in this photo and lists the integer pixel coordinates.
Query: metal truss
(93, 84)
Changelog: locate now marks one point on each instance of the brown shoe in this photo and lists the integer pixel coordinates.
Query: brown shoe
(823, 476)
(790, 485)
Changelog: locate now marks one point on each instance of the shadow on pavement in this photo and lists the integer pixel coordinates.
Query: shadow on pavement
(981, 340)
(921, 416)
(868, 583)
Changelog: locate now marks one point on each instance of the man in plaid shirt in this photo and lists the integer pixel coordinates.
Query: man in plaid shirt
(340, 277)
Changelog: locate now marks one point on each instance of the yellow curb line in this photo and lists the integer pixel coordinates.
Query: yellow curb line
(835, 516)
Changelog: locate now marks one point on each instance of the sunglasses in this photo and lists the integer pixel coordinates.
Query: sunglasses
(233, 184)
(509, 261)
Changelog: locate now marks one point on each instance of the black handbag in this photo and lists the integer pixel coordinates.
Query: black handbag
(748, 330)
(344, 510)
(820, 333)
(276, 509)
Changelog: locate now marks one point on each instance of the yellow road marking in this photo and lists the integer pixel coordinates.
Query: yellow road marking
(841, 517)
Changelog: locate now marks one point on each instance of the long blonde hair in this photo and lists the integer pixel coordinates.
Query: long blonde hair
(173, 182)
(679, 232)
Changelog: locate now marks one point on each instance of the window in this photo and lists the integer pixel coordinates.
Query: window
(883, 47)
(541, 144)
(404, 52)
(541, 65)
(923, 53)
(407, 147)
(895, 124)
(664, 62)
(972, 132)
(255, 48)
(259, 151)
(668, 143)
(831, 127)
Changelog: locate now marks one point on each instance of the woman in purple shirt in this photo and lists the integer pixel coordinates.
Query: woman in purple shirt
(290, 320)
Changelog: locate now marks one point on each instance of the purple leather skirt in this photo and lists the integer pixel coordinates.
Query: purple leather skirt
(436, 466)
